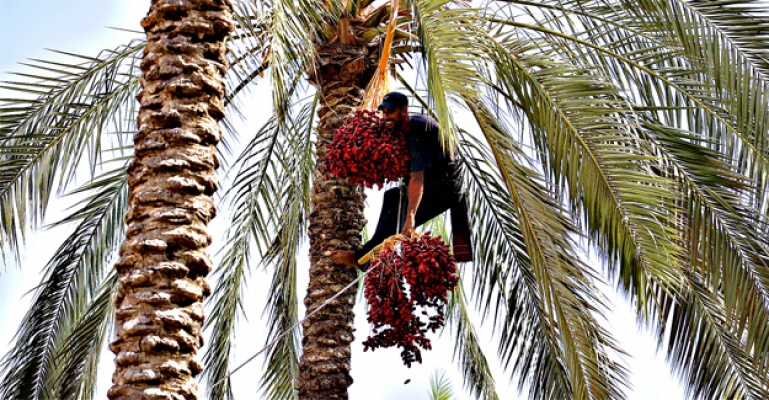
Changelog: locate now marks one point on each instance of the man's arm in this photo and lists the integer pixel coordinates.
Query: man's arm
(416, 188)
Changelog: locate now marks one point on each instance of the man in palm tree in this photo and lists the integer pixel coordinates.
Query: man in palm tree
(433, 186)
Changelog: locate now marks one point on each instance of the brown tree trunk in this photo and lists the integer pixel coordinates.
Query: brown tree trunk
(163, 263)
(335, 223)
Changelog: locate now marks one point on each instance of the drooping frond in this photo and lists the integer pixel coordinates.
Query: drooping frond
(467, 349)
(500, 247)
(295, 27)
(246, 226)
(282, 300)
(714, 37)
(450, 49)
(739, 26)
(702, 345)
(551, 306)
(73, 276)
(77, 359)
(500, 263)
(678, 62)
(718, 224)
(60, 117)
(706, 121)
(710, 131)
(579, 126)
(270, 201)
(249, 47)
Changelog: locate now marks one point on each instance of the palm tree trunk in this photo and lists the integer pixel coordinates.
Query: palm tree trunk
(335, 223)
(163, 263)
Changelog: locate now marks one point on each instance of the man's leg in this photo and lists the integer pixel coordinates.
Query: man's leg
(435, 200)
(461, 243)
(386, 226)
(388, 219)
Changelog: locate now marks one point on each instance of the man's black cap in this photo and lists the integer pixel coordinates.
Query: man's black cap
(394, 100)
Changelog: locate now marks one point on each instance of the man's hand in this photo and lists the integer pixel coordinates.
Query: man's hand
(416, 188)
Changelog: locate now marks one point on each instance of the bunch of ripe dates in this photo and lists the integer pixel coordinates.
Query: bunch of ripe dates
(367, 153)
(424, 266)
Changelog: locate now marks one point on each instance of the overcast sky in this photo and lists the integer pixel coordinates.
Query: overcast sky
(30, 26)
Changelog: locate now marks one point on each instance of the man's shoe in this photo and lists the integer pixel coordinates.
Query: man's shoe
(463, 252)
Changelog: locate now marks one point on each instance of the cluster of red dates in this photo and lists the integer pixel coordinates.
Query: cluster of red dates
(367, 153)
(425, 264)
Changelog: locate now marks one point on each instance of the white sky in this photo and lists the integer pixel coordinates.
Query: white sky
(28, 27)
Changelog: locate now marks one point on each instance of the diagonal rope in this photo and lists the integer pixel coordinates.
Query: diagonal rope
(291, 329)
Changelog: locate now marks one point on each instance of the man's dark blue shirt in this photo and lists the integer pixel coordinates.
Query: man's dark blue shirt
(427, 154)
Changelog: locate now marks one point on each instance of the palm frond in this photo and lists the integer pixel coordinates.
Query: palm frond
(282, 303)
(467, 347)
(248, 59)
(450, 49)
(580, 129)
(227, 301)
(721, 203)
(73, 277)
(559, 285)
(270, 196)
(58, 119)
(674, 63)
(713, 34)
(715, 213)
(77, 360)
(500, 265)
(295, 28)
(440, 387)
(248, 47)
(711, 52)
(702, 346)
(718, 223)
(246, 226)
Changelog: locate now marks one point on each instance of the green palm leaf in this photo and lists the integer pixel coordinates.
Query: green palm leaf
(718, 223)
(498, 240)
(703, 347)
(714, 188)
(77, 360)
(440, 387)
(248, 225)
(294, 28)
(282, 304)
(44, 136)
(449, 49)
(270, 193)
(579, 127)
(679, 58)
(578, 365)
(73, 276)
(675, 84)
(467, 348)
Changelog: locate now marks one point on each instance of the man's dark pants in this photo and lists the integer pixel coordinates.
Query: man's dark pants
(435, 200)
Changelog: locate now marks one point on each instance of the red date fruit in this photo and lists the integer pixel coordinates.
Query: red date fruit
(424, 265)
(367, 153)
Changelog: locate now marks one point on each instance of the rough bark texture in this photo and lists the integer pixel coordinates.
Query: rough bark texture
(335, 223)
(163, 263)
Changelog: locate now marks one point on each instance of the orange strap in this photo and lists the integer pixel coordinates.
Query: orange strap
(379, 84)
(389, 37)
